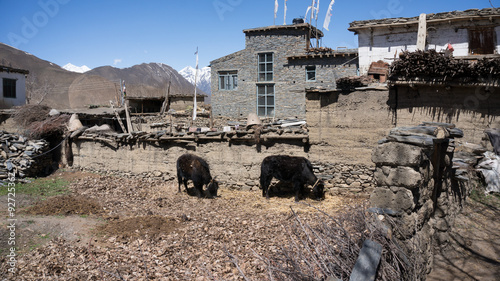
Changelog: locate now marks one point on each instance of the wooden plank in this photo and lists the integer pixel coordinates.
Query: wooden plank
(164, 105)
(120, 121)
(366, 265)
(118, 117)
(422, 32)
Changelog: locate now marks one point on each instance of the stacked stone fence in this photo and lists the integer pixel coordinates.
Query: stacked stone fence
(22, 157)
(416, 186)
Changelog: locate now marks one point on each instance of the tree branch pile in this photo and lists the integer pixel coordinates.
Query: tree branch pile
(27, 114)
(37, 123)
(52, 126)
(330, 248)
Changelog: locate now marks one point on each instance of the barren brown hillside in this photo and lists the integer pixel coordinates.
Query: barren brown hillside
(68, 89)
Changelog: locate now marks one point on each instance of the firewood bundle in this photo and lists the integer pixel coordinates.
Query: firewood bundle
(320, 50)
(352, 82)
(429, 64)
(487, 68)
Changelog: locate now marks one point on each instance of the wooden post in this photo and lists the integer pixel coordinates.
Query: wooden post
(171, 124)
(127, 114)
(211, 119)
(310, 25)
(164, 106)
(422, 31)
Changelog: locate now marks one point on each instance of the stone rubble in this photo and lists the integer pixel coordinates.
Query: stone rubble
(22, 155)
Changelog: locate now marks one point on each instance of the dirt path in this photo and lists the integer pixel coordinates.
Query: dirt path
(474, 250)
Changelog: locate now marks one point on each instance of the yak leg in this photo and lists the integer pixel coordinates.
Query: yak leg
(179, 180)
(198, 187)
(298, 186)
(264, 183)
(186, 184)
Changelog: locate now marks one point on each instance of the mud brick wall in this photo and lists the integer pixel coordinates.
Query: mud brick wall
(416, 187)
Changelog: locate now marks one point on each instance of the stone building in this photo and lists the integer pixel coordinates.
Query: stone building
(269, 77)
(472, 34)
(12, 86)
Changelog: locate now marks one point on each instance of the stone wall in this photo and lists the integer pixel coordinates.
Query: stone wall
(23, 157)
(289, 76)
(236, 163)
(416, 188)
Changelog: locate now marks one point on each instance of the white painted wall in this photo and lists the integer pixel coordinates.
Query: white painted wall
(497, 31)
(20, 88)
(384, 44)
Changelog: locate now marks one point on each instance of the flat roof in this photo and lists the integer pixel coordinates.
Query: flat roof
(471, 14)
(11, 69)
(303, 26)
(329, 53)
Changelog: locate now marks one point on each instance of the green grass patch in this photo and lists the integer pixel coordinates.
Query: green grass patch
(493, 199)
(40, 187)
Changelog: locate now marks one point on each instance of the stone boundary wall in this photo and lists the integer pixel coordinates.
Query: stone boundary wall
(417, 189)
(235, 163)
(23, 157)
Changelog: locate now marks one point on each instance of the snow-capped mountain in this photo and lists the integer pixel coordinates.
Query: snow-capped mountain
(74, 68)
(203, 78)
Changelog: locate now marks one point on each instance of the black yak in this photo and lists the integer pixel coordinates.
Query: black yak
(290, 169)
(192, 167)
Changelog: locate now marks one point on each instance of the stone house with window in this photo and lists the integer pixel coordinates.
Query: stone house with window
(12, 87)
(270, 76)
(472, 34)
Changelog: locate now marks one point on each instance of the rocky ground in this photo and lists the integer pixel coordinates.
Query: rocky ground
(108, 228)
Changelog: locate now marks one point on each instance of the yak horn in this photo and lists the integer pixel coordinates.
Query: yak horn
(314, 185)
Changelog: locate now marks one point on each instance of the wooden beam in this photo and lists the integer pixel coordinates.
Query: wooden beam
(422, 31)
(127, 115)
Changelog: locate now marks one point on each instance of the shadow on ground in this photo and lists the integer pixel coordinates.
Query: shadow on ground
(474, 249)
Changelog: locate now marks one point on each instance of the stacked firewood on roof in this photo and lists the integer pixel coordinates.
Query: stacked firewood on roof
(431, 65)
(352, 82)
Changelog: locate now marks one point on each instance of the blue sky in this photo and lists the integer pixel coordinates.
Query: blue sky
(124, 33)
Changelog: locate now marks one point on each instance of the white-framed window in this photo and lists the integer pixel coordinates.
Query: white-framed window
(265, 100)
(311, 73)
(228, 80)
(265, 67)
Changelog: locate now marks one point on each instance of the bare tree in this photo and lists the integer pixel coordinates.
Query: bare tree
(37, 89)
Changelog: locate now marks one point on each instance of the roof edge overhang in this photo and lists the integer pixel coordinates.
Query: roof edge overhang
(286, 27)
(322, 55)
(15, 70)
(414, 22)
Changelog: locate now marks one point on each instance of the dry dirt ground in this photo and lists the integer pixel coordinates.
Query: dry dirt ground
(111, 228)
